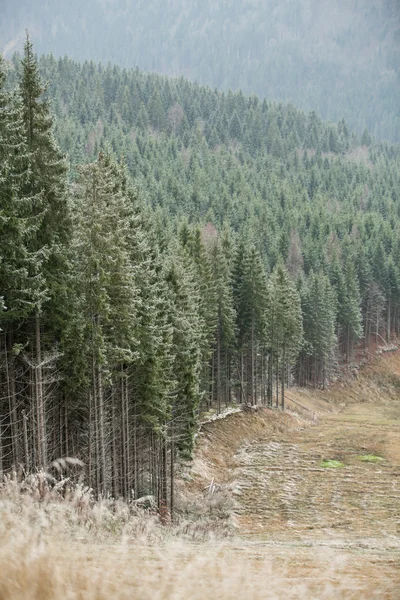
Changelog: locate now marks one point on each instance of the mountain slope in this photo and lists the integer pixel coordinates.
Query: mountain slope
(340, 58)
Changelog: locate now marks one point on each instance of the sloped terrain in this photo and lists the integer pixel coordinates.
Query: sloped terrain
(322, 488)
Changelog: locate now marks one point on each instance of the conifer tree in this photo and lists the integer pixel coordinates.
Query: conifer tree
(187, 327)
(250, 297)
(47, 181)
(225, 326)
(106, 281)
(285, 327)
(319, 310)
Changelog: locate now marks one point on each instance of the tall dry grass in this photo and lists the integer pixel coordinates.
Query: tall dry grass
(67, 546)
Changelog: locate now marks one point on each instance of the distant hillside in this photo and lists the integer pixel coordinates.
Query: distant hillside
(338, 57)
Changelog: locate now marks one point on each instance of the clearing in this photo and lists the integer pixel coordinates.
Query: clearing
(318, 490)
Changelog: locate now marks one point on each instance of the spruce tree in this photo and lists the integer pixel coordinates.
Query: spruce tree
(105, 275)
(47, 181)
(285, 326)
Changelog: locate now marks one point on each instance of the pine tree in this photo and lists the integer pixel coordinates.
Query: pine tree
(285, 327)
(106, 282)
(250, 298)
(17, 266)
(47, 181)
(187, 327)
(319, 311)
(225, 326)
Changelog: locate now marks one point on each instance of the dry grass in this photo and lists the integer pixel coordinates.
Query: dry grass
(54, 550)
(302, 531)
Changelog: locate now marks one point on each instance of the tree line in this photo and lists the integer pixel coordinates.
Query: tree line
(161, 275)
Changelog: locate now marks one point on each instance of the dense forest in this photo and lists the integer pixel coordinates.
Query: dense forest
(337, 57)
(167, 249)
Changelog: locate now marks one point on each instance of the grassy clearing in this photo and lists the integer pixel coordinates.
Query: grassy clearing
(331, 464)
(371, 458)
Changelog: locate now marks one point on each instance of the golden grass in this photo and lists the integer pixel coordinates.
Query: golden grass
(57, 546)
(49, 550)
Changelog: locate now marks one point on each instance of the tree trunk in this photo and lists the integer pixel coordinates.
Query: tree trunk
(164, 513)
(252, 364)
(102, 439)
(283, 379)
(172, 480)
(96, 424)
(10, 373)
(114, 451)
(41, 458)
(219, 370)
(135, 457)
(127, 437)
(90, 441)
(26, 443)
(124, 462)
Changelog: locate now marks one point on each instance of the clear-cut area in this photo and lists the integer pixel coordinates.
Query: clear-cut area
(319, 496)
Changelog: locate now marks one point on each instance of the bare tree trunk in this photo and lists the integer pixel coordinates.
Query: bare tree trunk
(164, 516)
(90, 443)
(242, 378)
(135, 456)
(212, 378)
(26, 443)
(114, 451)
(61, 451)
(227, 378)
(252, 364)
(283, 379)
(1, 452)
(40, 409)
(256, 375)
(66, 428)
(102, 439)
(219, 371)
(10, 374)
(96, 423)
(262, 377)
(172, 480)
(127, 437)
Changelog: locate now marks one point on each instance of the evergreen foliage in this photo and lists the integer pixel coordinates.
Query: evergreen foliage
(202, 249)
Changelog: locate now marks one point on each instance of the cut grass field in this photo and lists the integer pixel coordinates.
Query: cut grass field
(313, 497)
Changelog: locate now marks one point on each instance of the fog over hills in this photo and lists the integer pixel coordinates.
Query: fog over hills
(339, 57)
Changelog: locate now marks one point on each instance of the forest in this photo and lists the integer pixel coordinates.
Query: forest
(168, 250)
(338, 57)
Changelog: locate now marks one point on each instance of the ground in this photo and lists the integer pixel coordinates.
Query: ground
(318, 490)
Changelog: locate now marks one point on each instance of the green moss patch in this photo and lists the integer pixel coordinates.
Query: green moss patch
(371, 458)
(331, 464)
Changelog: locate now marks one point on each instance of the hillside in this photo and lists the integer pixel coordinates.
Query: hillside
(339, 58)
(193, 250)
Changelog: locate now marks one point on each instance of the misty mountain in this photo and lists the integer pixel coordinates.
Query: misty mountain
(338, 57)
